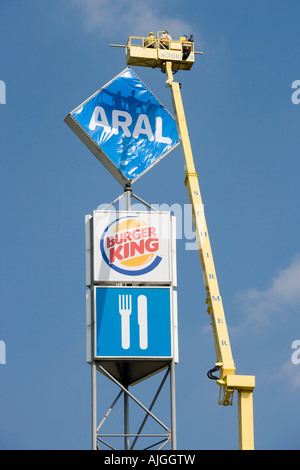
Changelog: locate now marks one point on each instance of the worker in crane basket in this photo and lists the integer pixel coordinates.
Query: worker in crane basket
(186, 46)
(150, 41)
(165, 39)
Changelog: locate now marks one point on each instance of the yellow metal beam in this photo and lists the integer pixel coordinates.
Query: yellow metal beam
(214, 299)
(244, 385)
(228, 382)
(245, 413)
(241, 382)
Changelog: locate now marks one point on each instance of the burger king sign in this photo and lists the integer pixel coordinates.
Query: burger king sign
(132, 247)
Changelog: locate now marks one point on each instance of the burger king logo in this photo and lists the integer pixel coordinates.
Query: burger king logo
(130, 246)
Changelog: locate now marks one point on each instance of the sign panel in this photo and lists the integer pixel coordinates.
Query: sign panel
(133, 322)
(125, 126)
(135, 247)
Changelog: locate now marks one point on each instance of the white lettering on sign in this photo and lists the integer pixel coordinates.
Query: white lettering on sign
(143, 127)
(98, 111)
(117, 122)
(123, 120)
(158, 132)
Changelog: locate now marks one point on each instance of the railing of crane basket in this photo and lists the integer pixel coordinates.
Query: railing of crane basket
(159, 43)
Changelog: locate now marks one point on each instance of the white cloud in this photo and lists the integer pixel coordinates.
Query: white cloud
(283, 294)
(119, 19)
(278, 303)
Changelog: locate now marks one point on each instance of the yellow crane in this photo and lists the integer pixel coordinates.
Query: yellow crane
(170, 56)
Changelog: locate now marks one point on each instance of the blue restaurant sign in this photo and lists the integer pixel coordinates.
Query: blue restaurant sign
(133, 322)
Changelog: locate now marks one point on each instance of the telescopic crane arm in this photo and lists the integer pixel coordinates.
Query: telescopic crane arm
(228, 381)
(170, 58)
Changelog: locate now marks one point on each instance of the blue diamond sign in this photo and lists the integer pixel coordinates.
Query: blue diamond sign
(125, 126)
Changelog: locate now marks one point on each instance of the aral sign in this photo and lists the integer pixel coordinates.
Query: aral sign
(132, 247)
(125, 126)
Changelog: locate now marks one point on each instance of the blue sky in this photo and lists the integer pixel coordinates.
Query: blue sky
(244, 131)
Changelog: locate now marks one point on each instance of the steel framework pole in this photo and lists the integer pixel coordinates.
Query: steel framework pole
(128, 191)
(170, 436)
(94, 406)
(173, 406)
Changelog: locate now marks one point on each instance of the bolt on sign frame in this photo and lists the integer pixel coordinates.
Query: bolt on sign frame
(169, 62)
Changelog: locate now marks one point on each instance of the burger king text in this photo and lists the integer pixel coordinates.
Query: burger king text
(125, 245)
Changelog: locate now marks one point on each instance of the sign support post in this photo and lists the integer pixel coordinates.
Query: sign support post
(173, 406)
(128, 191)
(94, 405)
(140, 354)
(130, 256)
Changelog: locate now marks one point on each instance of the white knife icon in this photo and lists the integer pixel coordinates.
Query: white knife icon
(143, 321)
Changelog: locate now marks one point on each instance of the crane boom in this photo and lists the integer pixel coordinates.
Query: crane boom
(228, 381)
(170, 59)
(213, 299)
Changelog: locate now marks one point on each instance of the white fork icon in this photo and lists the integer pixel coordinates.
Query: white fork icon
(125, 311)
